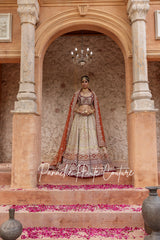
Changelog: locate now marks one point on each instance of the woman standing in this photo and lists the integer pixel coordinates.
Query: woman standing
(82, 152)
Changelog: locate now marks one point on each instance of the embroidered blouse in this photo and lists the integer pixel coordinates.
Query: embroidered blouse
(83, 100)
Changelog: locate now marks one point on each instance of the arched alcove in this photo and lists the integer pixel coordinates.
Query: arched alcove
(61, 78)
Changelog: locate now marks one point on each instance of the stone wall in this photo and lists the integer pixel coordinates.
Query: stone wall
(10, 76)
(154, 82)
(61, 78)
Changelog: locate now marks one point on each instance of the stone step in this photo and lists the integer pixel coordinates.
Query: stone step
(68, 195)
(108, 177)
(82, 216)
(121, 176)
(83, 234)
(53, 178)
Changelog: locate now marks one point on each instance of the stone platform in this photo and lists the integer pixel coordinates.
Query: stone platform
(121, 176)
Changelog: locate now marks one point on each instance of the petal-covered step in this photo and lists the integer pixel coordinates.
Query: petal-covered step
(83, 233)
(76, 216)
(73, 194)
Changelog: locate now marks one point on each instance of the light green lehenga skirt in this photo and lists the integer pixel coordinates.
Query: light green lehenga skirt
(83, 157)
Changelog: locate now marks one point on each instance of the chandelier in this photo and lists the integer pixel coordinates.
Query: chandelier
(81, 56)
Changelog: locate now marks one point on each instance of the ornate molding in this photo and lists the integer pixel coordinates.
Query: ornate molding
(5, 27)
(153, 54)
(28, 11)
(157, 24)
(5, 55)
(75, 2)
(137, 9)
(96, 18)
(83, 9)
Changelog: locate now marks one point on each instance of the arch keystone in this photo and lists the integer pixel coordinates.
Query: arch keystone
(83, 9)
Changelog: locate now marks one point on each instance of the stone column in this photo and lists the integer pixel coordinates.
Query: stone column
(142, 118)
(26, 120)
(141, 96)
(28, 11)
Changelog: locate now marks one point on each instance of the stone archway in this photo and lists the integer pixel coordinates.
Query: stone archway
(112, 26)
(105, 22)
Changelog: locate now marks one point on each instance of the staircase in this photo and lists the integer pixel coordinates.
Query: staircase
(76, 208)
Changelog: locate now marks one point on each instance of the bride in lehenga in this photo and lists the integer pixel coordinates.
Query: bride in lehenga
(82, 152)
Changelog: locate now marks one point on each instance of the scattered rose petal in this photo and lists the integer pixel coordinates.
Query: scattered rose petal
(83, 233)
(85, 187)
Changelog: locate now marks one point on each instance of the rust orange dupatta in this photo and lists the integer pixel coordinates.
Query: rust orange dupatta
(99, 126)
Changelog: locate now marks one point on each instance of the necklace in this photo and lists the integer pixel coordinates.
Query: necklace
(86, 92)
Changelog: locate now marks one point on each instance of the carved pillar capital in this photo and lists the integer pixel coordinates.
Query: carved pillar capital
(28, 11)
(137, 9)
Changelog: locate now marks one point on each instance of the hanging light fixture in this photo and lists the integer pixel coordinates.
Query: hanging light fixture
(81, 56)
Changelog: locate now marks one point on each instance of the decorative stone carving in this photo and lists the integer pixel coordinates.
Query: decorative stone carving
(28, 12)
(141, 96)
(5, 27)
(137, 10)
(83, 9)
(157, 24)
